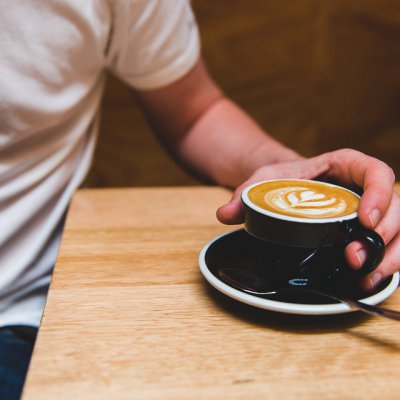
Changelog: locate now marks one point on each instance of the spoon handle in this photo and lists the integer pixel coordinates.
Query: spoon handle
(369, 309)
(249, 283)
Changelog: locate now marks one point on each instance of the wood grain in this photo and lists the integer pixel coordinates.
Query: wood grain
(129, 316)
(318, 75)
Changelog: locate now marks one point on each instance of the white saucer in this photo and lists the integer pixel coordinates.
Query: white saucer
(279, 306)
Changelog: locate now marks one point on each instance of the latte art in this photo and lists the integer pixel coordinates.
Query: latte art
(305, 203)
(304, 199)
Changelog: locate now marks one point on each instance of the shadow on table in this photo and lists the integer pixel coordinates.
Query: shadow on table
(304, 324)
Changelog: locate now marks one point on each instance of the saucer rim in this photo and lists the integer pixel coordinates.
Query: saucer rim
(284, 307)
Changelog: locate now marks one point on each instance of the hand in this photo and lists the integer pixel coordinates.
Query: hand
(379, 207)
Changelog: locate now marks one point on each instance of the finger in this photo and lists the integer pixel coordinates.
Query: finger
(355, 254)
(232, 213)
(374, 176)
(378, 189)
(389, 226)
(389, 265)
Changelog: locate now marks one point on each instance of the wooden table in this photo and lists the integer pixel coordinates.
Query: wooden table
(129, 316)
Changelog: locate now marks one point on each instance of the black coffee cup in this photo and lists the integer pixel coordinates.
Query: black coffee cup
(296, 232)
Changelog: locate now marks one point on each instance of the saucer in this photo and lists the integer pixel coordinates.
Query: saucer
(239, 250)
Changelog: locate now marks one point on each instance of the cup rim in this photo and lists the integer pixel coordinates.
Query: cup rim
(246, 200)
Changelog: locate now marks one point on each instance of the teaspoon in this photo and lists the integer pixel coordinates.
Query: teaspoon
(250, 283)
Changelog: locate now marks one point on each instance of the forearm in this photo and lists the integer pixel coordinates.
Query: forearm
(227, 146)
(206, 132)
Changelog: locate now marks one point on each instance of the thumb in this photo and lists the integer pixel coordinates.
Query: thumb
(232, 213)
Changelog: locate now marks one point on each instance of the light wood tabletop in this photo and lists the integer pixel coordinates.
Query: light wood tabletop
(129, 316)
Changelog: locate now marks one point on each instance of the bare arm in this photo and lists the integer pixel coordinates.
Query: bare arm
(208, 133)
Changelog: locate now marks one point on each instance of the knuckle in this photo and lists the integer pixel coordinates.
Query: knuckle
(367, 162)
(380, 164)
(391, 173)
(351, 152)
(388, 171)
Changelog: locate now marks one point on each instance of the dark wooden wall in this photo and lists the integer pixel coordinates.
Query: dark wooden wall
(317, 74)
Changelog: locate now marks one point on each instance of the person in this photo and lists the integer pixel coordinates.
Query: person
(52, 72)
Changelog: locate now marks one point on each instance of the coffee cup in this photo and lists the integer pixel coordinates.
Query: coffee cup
(300, 213)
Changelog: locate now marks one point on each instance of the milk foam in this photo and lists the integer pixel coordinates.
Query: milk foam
(303, 198)
(304, 202)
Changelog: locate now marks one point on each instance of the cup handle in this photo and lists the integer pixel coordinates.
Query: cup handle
(375, 247)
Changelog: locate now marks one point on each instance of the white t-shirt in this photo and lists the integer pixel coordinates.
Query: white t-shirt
(53, 57)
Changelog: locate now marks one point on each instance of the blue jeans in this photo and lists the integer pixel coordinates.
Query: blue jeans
(16, 345)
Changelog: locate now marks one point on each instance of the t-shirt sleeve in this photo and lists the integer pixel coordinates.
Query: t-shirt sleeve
(152, 42)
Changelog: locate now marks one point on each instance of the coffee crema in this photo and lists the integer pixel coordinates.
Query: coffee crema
(304, 199)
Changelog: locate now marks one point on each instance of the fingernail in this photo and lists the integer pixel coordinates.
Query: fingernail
(375, 279)
(374, 217)
(361, 256)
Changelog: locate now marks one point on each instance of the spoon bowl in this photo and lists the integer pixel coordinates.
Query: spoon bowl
(253, 284)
